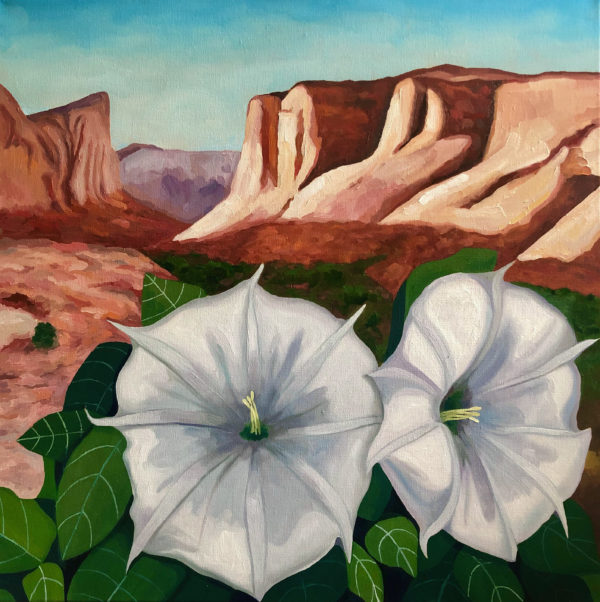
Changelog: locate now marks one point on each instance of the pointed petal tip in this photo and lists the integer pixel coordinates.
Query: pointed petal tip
(560, 511)
(94, 421)
(128, 330)
(354, 317)
(257, 274)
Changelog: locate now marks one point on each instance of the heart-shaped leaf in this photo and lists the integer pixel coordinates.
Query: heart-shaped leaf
(394, 542)
(484, 578)
(93, 386)
(550, 550)
(45, 584)
(103, 575)
(93, 491)
(364, 576)
(26, 533)
(6, 596)
(160, 297)
(56, 435)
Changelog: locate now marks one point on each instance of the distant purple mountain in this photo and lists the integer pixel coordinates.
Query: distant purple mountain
(183, 184)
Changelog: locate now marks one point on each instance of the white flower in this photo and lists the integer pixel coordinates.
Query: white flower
(248, 418)
(479, 435)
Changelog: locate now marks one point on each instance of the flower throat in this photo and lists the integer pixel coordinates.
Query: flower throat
(452, 408)
(255, 430)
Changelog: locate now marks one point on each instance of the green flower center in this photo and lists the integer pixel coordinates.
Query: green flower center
(255, 430)
(452, 408)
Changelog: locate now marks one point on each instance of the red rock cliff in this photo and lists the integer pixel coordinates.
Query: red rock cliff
(479, 150)
(56, 159)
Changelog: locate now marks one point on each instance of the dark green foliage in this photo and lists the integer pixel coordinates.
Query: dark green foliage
(394, 542)
(550, 550)
(44, 336)
(93, 386)
(56, 435)
(103, 575)
(483, 578)
(548, 587)
(26, 533)
(437, 585)
(93, 492)
(377, 496)
(324, 581)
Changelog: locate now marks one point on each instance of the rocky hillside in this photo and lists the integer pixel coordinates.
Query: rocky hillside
(183, 184)
(484, 152)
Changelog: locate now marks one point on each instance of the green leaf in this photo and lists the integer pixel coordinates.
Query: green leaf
(394, 542)
(377, 496)
(93, 386)
(93, 492)
(26, 533)
(6, 596)
(364, 576)
(550, 550)
(198, 587)
(549, 587)
(160, 297)
(48, 490)
(325, 581)
(436, 586)
(470, 261)
(103, 575)
(55, 435)
(45, 584)
(593, 583)
(484, 578)
(439, 547)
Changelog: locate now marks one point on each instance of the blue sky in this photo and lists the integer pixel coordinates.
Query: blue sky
(180, 73)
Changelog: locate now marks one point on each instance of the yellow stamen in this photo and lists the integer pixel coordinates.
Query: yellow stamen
(461, 414)
(248, 401)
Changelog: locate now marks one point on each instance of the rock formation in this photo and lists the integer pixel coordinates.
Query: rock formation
(482, 151)
(56, 159)
(185, 185)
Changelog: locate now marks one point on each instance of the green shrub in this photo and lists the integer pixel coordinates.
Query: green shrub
(44, 336)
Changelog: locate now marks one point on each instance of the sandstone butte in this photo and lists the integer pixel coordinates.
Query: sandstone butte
(499, 157)
(59, 178)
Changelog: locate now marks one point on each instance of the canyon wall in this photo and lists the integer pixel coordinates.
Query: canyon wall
(483, 151)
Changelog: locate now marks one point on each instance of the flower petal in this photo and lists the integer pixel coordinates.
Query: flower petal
(446, 328)
(523, 465)
(549, 401)
(157, 417)
(411, 408)
(478, 520)
(531, 333)
(425, 475)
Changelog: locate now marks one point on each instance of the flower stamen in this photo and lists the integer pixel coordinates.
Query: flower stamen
(471, 413)
(249, 402)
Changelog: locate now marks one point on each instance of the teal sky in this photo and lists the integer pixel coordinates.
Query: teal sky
(180, 73)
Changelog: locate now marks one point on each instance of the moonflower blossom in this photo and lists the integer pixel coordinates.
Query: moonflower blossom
(479, 435)
(248, 419)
